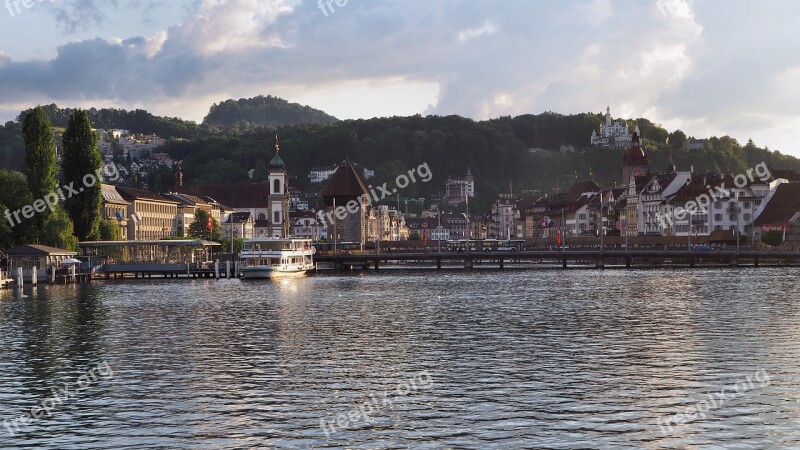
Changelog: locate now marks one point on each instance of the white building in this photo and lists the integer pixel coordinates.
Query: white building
(612, 134)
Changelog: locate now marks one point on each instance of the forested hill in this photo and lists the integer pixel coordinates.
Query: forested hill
(137, 121)
(497, 151)
(263, 111)
(520, 152)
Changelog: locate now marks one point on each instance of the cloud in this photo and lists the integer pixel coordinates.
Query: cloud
(678, 62)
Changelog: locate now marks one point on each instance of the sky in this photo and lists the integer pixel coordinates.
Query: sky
(707, 67)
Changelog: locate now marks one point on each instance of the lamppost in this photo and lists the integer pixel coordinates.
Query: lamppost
(690, 231)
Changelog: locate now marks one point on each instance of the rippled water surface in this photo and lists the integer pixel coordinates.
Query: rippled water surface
(483, 359)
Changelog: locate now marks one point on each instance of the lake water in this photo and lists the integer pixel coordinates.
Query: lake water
(482, 359)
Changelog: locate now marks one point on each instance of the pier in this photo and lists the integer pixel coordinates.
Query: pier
(564, 259)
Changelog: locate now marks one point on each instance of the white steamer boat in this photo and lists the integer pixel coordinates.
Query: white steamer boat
(276, 258)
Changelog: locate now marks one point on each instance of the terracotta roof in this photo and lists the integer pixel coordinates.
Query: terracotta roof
(783, 205)
(235, 196)
(345, 185)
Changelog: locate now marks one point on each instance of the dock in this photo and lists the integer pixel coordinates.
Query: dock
(565, 259)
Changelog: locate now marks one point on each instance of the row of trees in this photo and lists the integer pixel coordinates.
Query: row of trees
(76, 212)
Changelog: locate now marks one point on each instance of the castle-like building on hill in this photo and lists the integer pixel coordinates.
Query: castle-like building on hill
(613, 134)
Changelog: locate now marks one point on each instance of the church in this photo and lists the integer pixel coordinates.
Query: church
(265, 205)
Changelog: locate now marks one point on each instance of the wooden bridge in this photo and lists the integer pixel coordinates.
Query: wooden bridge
(636, 258)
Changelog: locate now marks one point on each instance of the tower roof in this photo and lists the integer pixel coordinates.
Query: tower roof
(344, 185)
(276, 162)
(634, 155)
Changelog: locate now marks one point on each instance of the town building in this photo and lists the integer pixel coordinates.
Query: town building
(152, 216)
(781, 212)
(115, 208)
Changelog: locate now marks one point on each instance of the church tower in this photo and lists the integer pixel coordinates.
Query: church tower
(278, 195)
(634, 162)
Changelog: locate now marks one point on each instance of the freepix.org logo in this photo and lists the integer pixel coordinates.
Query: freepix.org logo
(15, 7)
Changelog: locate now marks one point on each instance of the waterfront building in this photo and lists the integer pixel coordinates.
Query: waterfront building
(780, 212)
(239, 225)
(612, 134)
(306, 225)
(40, 256)
(504, 215)
(458, 189)
(152, 216)
(188, 205)
(653, 205)
(115, 208)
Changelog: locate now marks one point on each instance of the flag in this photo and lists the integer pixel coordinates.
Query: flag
(210, 224)
(558, 237)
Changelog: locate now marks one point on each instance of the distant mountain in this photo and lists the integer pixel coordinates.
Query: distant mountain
(264, 111)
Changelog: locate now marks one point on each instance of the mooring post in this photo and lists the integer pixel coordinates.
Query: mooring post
(20, 280)
(216, 269)
(439, 263)
(34, 276)
(501, 263)
(52, 274)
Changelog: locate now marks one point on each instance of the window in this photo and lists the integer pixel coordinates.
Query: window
(277, 216)
(276, 186)
(718, 217)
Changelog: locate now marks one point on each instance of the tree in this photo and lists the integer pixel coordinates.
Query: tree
(81, 164)
(260, 172)
(7, 239)
(58, 231)
(40, 160)
(109, 230)
(772, 238)
(199, 228)
(414, 236)
(15, 195)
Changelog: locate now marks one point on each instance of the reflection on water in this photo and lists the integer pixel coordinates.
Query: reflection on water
(537, 359)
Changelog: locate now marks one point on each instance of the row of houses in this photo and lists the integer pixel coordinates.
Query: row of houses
(668, 203)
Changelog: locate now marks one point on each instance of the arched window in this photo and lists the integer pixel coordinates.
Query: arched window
(262, 216)
(276, 187)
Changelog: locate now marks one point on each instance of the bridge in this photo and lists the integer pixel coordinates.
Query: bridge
(636, 258)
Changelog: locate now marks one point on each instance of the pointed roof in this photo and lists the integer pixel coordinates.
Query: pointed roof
(783, 205)
(344, 185)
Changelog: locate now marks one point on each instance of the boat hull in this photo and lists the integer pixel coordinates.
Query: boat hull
(271, 272)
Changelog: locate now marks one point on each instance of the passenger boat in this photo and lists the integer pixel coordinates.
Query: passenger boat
(276, 258)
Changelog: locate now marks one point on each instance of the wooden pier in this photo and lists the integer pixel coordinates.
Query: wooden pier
(565, 259)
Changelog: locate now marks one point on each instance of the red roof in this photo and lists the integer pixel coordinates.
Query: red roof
(237, 196)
